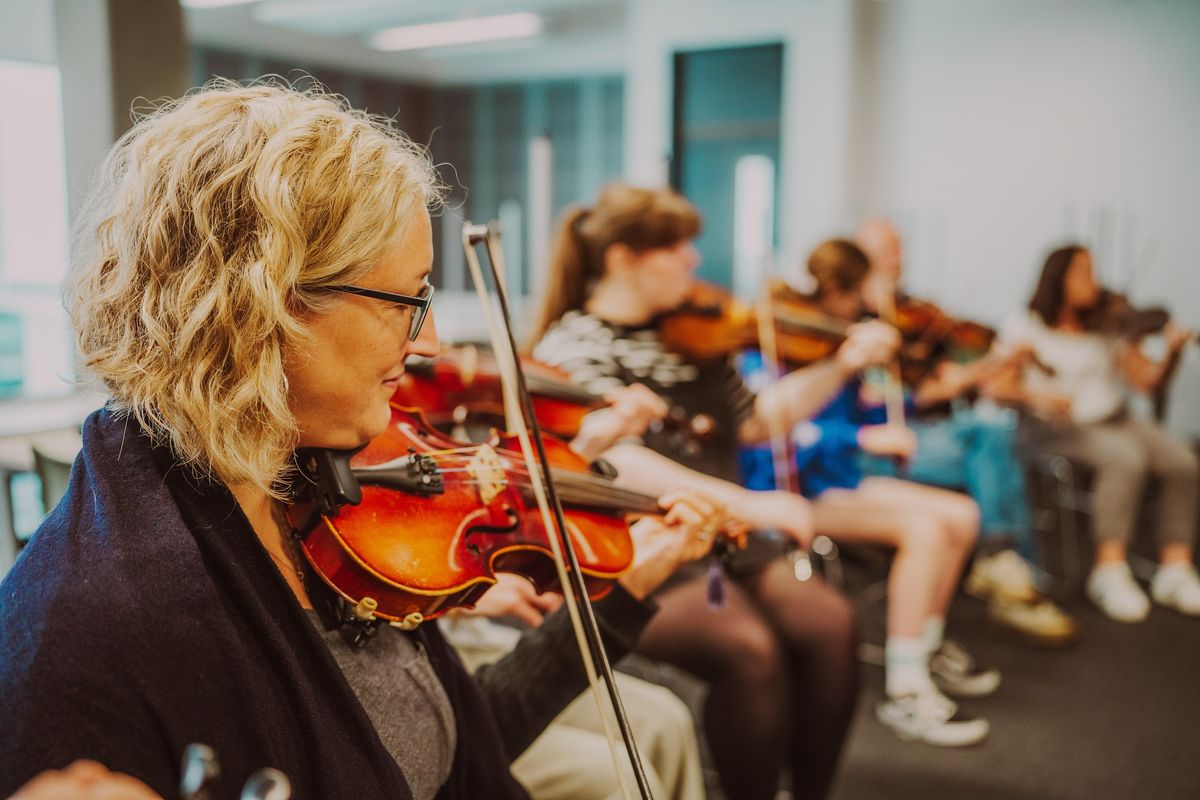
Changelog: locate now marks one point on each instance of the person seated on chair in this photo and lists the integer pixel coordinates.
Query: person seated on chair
(779, 656)
(217, 291)
(1078, 409)
(571, 760)
(932, 530)
(970, 445)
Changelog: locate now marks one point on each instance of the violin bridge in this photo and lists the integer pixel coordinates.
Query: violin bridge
(487, 471)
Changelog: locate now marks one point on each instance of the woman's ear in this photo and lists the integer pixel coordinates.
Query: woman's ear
(618, 258)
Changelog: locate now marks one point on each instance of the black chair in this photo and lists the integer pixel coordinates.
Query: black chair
(1062, 498)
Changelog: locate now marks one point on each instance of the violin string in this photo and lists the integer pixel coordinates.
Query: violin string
(597, 486)
(588, 493)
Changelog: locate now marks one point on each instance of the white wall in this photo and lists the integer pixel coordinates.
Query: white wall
(989, 130)
(27, 30)
(1003, 127)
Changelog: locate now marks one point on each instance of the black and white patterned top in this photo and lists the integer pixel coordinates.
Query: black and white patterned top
(601, 356)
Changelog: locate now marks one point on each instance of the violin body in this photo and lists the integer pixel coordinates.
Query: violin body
(1115, 315)
(930, 329)
(469, 514)
(712, 324)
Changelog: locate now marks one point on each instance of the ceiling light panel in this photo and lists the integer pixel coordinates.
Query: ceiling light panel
(457, 32)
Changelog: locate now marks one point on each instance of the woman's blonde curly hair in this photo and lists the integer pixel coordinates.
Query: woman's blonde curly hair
(216, 225)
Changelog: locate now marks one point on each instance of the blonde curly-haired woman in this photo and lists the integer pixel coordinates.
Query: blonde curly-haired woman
(250, 274)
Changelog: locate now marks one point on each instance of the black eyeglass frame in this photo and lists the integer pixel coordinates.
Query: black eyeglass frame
(420, 303)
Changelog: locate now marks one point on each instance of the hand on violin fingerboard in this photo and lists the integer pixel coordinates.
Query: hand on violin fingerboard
(514, 596)
(631, 410)
(684, 533)
(871, 343)
(84, 780)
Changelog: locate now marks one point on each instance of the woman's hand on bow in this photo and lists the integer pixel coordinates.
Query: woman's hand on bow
(892, 440)
(871, 343)
(514, 596)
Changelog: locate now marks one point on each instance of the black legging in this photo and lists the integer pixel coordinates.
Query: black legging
(779, 659)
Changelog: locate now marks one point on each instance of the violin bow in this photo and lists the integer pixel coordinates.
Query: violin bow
(893, 389)
(529, 434)
(781, 451)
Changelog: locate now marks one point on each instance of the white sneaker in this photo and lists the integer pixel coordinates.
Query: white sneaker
(1005, 575)
(930, 717)
(1177, 587)
(955, 672)
(1113, 589)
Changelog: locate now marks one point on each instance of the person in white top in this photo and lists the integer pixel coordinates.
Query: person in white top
(1076, 389)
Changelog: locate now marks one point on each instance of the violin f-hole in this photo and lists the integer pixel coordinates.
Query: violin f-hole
(514, 522)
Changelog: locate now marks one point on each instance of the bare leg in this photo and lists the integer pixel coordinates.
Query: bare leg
(958, 515)
(925, 549)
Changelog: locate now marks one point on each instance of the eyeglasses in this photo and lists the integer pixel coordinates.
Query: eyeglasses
(419, 304)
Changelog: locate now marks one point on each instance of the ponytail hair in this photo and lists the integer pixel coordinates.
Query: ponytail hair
(641, 219)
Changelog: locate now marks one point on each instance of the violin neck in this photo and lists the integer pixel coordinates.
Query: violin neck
(581, 490)
(559, 390)
(826, 327)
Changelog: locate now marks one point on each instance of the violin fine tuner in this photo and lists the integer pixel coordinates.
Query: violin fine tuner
(410, 622)
(360, 624)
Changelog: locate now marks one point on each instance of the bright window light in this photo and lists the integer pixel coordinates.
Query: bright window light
(33, 197)
(753, 223)
(35, 340)
(462, 31)
(213, 3)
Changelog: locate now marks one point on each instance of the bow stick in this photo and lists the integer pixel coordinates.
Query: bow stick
(528, 432)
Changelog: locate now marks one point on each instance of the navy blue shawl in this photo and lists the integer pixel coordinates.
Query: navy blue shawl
(145, 615)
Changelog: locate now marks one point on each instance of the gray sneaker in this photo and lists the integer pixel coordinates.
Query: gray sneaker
(932, 718)
(955, 672)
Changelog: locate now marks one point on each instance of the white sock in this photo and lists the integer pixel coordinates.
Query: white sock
(1113, 570)
(906, 665)
(935, 633)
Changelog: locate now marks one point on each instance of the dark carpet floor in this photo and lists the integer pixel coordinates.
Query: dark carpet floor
(1113, 716)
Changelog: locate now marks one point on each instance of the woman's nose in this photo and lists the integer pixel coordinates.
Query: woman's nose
(426, 343)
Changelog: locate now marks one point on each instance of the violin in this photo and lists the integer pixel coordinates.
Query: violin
(417, 523)
(934, 333)
(460, 392)
(1115, 315)
(712, 324)
(463, 383)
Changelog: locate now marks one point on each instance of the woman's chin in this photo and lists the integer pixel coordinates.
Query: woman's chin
(348, 437)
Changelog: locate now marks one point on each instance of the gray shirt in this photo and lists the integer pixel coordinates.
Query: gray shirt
(408, 706)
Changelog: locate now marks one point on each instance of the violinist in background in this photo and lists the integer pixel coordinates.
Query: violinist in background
(217, 291)
(931, 530)
(571, 758)
(779, 657)
(1080, 410)
(965, 440)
